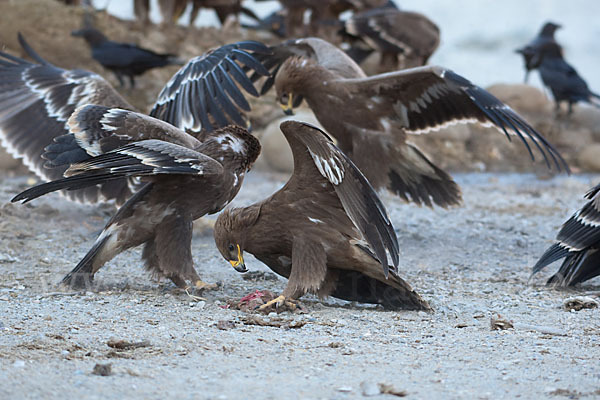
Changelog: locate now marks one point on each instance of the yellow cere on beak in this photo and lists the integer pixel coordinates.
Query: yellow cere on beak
(240, 259)
(288, 108)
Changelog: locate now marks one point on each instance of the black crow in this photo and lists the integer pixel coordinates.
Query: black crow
(124, 59)
(533, 50)
(563, 80)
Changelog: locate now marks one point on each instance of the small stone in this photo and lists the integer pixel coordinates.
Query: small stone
(102, 369)
(6, 258)
(579, 303)
(369, 389)
(385, 388)
(225, 325)
(499, 323)
(344, 389)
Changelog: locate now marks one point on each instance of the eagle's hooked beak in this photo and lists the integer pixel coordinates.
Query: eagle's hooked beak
(288, 108)
(239, 263)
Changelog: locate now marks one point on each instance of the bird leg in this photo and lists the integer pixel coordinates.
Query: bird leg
(120, 78)
(279, 304)
(201, 285)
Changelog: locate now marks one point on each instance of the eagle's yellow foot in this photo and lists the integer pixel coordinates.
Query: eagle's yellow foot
(279, 304)
(201, 285)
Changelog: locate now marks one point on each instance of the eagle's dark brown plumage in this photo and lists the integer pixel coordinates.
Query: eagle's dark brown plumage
(403, 39)
(326, 229)
(37, 99)
(183, 179)
(578, 242)
(372, 117)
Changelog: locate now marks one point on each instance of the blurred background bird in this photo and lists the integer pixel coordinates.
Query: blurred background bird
(533, 51)
(545, 54)
(125, 60)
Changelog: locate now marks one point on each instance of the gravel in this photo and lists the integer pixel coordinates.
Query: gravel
(472, 263)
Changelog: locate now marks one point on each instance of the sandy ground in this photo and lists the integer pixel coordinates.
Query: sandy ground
(472, 263)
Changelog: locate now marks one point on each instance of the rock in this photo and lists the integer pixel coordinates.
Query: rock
(369, 389)
(499, 323)
(589, 158)
(6, 258)
(575, 139)
(587, 117)
(275, 149)
(121, 344)
(523, 98)
(225, 325)
(385, 388)
(579, 303)
(102, 369)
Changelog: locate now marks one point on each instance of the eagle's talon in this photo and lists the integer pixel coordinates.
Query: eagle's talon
(201, 285)
(279, 304)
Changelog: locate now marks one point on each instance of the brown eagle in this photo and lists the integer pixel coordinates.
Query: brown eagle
(182, 179)
(403, 39)
(37, 98)
(325, 230)
(578, 242)
(372, 118)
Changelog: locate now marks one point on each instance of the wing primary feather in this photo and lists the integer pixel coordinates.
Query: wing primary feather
(29, 50)
(535, 138)
(254, 46)
(250, 61)
(506, 119)
(203, 107)
(240, 77)
(212, 106)
(231, 89)
(226, 105)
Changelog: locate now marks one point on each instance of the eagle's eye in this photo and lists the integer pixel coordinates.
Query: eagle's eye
(230, 247)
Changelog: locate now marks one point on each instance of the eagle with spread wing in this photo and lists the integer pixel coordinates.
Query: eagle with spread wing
(372, 118)
(37, 99)
(181, 178)
(75, 131)
(325, 230)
